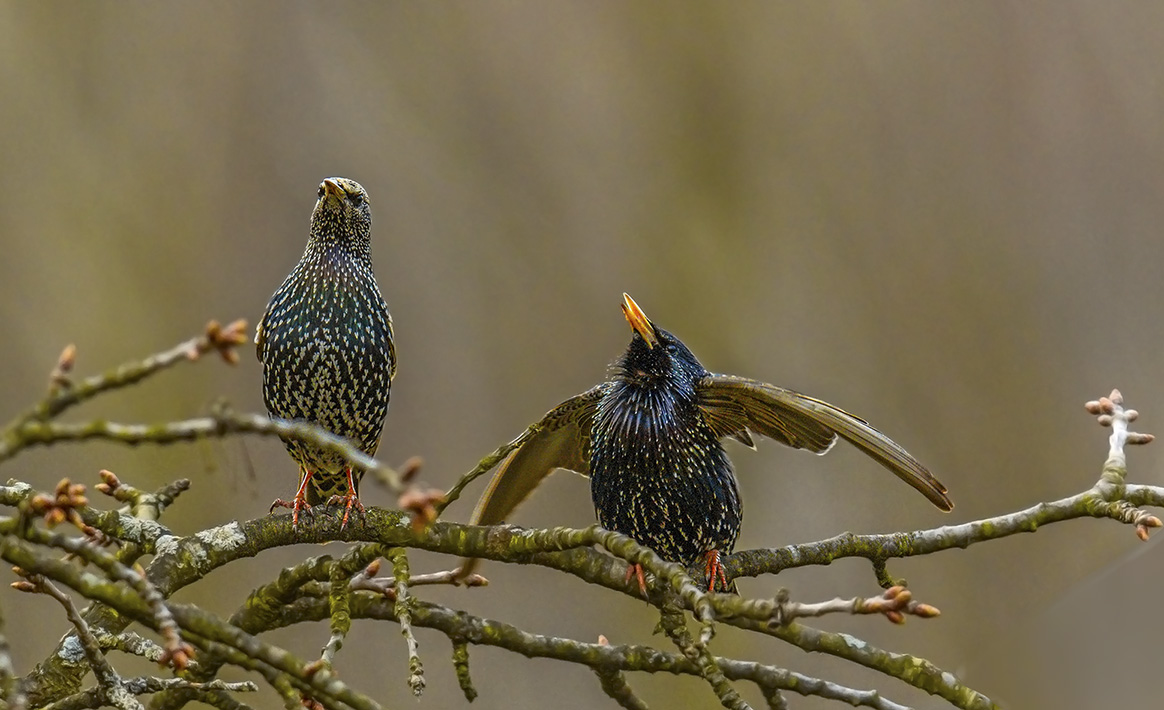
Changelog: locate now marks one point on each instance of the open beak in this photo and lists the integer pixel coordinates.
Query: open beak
(638, 320)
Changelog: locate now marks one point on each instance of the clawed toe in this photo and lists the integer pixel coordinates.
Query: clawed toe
(350, 502)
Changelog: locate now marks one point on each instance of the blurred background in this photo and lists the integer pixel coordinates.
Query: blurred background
(942, 217)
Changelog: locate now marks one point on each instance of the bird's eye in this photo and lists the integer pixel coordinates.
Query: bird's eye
(321, 191)
(672, 348)
(357, 198)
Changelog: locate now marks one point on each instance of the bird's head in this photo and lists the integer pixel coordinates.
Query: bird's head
(342, 214)
(655, 358)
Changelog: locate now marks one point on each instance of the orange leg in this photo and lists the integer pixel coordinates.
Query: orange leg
(714, 571)
(349, 500)
(637, 570)
(297, 504)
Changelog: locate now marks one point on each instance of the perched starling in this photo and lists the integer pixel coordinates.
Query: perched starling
(326, 347)
(649, 439)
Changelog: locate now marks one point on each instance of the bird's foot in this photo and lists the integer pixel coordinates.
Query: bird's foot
(297, 505)
(350, 501)
(715, 573)
(637, 570)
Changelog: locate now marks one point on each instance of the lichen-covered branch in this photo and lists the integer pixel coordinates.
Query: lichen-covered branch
(674, 624)
(461, 668)
(1111, 497)
(64, 393)
(198, 627)
(915, 671)
(9, 688)
(214, 693)
(223, 423)
(110, 688)
(347, 588)
(404, 604)
(614, 684)
(466, 628)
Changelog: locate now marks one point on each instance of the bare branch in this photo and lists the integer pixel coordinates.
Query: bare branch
(774, 698)
(135, 644)
(486, 465)
(386, 585)
(461, 666)
(223, 423)
(213, 693)
(109, 683)
(404, 604)
(894, 603)
(202, 628)
(339, 588)
(340, 619)
(177, 651)
(674, 624)
(466, 628)
(614, 684)
(9, 687)
(915, 671)
(63, 393)
(1109, 498)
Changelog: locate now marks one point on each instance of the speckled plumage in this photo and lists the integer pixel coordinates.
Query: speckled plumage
(649, 438)
(657, 470)
(326, 345)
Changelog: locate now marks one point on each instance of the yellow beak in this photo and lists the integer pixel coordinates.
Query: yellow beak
(331, 188)
(638, 320)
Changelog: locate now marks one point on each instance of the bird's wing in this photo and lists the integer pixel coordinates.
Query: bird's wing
(391, 346)
(560, 440)
(260, 336)
(734, 404)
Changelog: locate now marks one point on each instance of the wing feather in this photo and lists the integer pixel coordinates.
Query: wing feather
(561, 440)
(733, 404)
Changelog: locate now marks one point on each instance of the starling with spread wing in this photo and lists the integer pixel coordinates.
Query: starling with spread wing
(649, 439)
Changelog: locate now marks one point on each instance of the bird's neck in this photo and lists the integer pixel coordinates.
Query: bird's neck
(333, 267)
(649, 402)
(329, 249)
(637, 382)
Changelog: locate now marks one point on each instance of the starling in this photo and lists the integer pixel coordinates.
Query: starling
(325, 342)
(649, 439)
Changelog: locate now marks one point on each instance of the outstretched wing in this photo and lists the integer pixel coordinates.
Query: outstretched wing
(560, 440)
(733, 405)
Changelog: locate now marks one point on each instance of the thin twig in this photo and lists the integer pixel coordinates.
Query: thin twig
(485, 465)
(109, 682)
(136, 645)
(913, 670)
(463, 628)
(894, 603)
(674, 625)
(177, 651)
(9, 687)
(404, 604)
(774, 698)
(461, 667)
(340, 617)
(209, 693)
(386, 585)
(64, 393)
(613, 682)
(202, 628)
(223, 423)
